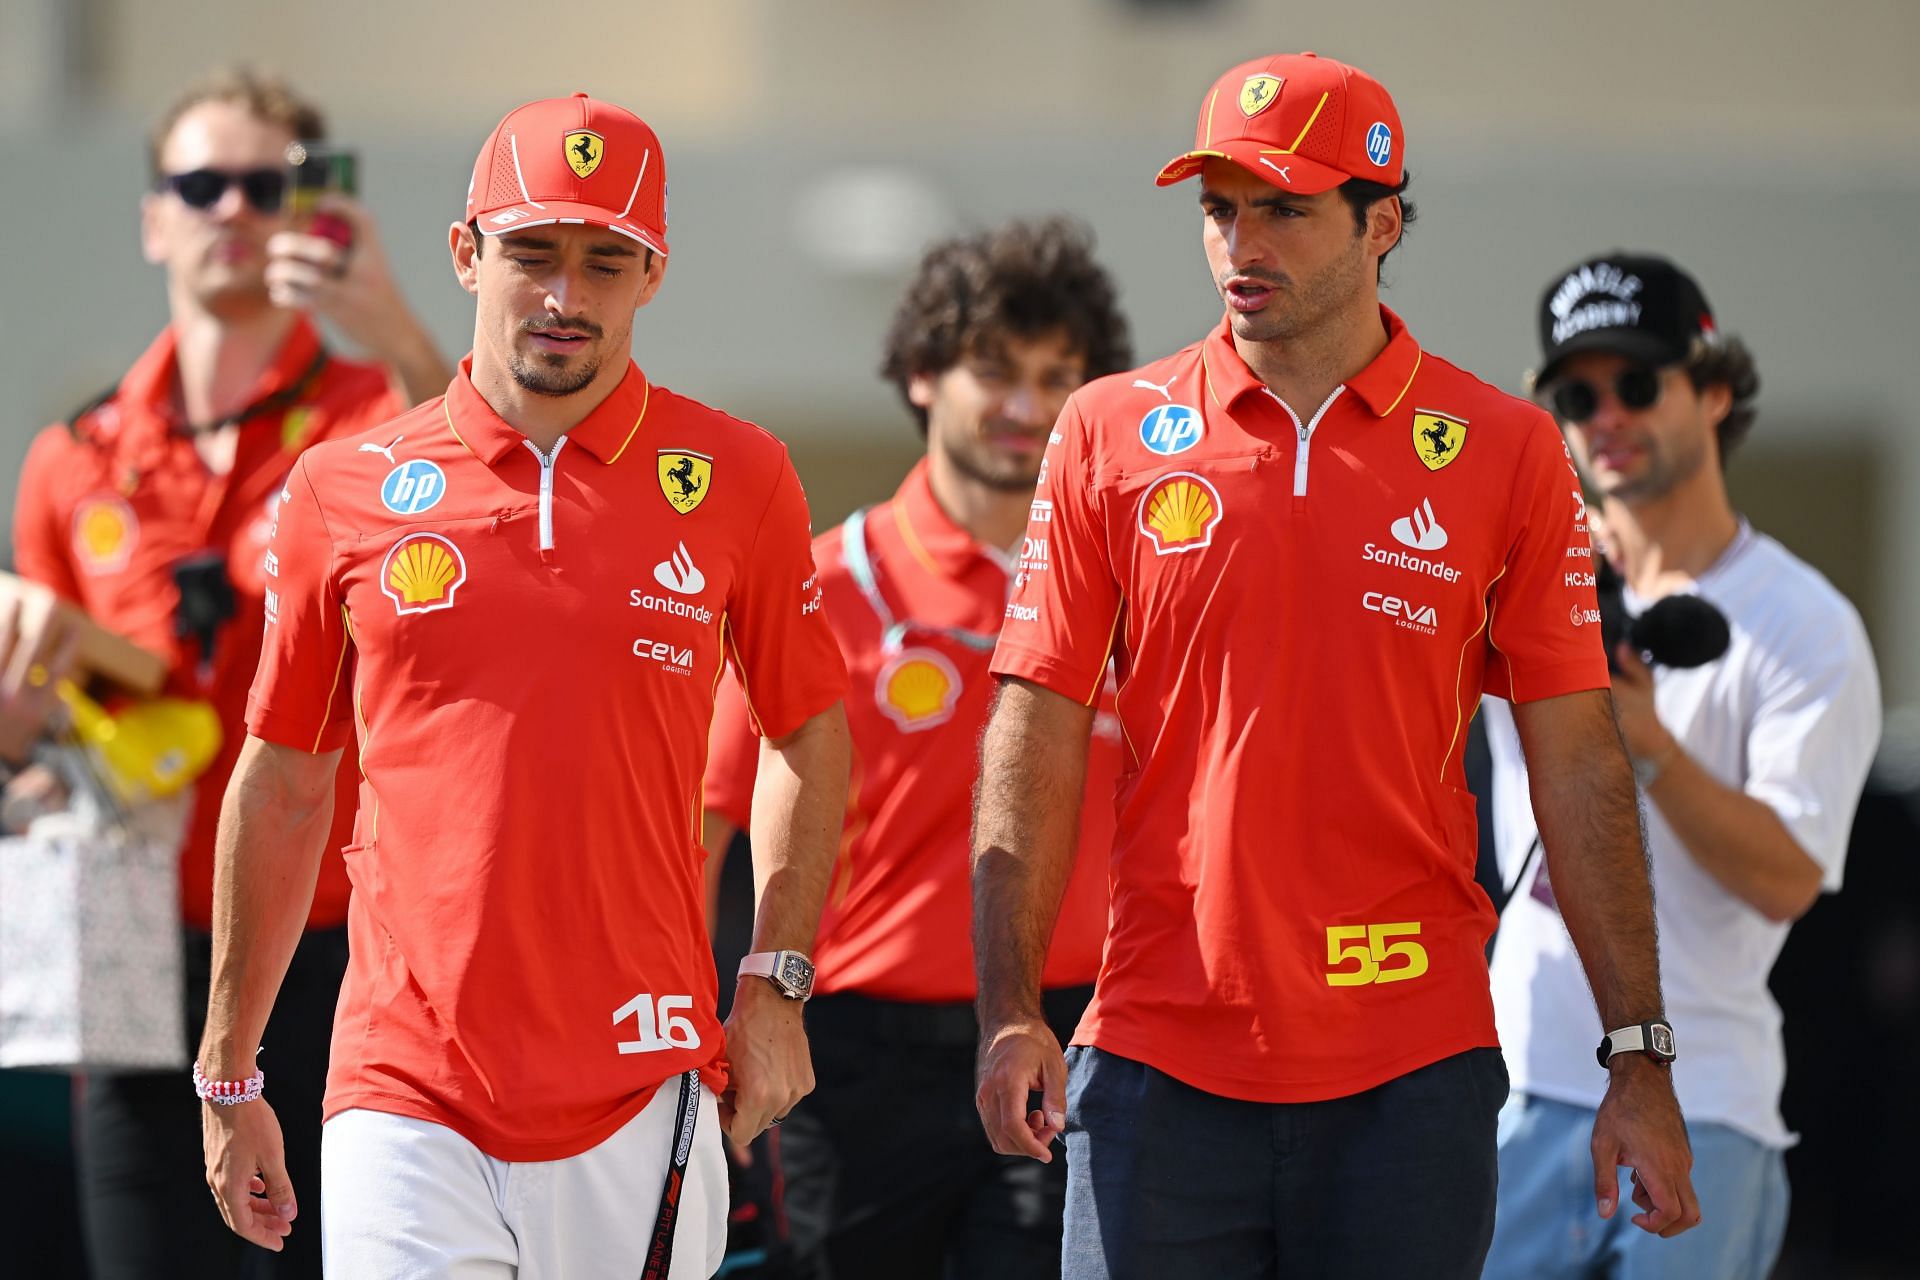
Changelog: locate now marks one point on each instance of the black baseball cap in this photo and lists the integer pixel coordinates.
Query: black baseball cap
(1633, 304)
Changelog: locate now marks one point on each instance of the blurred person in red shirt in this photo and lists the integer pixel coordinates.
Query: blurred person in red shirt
(993, 333)
(150, 509)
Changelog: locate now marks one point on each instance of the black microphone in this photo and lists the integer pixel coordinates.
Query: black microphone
(1681, 631)
(1675, 631)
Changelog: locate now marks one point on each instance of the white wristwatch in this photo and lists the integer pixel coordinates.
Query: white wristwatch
(790, 972)
(1655, 1039)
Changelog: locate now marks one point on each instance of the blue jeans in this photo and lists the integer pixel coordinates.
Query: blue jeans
(1165, 1181)
(1548, 1226)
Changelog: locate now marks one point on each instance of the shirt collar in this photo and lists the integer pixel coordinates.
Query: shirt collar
(151, 385)
(933, 539)
(1382, 385)
(605, 433)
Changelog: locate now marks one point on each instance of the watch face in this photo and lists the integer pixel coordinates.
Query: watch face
(1662, 1038)
(796, 975)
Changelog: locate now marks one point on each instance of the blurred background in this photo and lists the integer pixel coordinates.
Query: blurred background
(813, 148)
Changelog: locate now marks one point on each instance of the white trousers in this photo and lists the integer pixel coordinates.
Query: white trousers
(406, 1199)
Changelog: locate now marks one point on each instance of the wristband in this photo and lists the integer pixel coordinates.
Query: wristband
(1647, 769)
(229, 1093)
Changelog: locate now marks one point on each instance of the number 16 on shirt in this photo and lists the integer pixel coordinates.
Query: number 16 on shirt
(660, 1025)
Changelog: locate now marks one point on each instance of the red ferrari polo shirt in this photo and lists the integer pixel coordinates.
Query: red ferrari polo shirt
(110, 503)
(1303, 606)
(528, 647)
(917, 635)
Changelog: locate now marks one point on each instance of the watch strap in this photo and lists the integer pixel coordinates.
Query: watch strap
(1641, 1037)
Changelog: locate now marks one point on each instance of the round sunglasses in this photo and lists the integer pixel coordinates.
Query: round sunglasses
(1577, 400)
(264, 189)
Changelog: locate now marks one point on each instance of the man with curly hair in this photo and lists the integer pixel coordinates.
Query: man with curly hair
(885, 1169)
(1750, 766)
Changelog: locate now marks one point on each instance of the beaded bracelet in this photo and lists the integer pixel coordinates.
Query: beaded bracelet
(229, 1093)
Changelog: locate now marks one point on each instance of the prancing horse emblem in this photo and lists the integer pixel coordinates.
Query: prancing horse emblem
(685, 478)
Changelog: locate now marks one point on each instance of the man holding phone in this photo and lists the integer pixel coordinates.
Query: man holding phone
(150, 509)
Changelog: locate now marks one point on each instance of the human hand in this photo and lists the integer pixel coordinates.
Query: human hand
(39, 637)
(247, 1171)
(1019, 1058)
(1640, 725)
(1639, 1125)
(772, 1068)
(352, 285)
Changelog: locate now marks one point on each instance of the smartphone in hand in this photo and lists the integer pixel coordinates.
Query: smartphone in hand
(314, 169)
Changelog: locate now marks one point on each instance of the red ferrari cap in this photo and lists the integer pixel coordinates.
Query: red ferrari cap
(1302, 122)
(572, 160)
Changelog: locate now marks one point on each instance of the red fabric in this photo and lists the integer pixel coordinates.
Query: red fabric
(1299, 121)
(105, 509)
(1296, 679)
(571, 160)
(533, 728)
(898, 922)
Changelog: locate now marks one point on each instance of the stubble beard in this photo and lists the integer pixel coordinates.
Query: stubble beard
(1667, 469)
(1297, 309)
(975, 463)
(546, 375)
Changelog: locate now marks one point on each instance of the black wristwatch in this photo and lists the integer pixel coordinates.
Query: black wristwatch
(790, 972)
(1655, 1039)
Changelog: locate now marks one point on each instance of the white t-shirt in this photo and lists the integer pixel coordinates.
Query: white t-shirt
(1791, 716)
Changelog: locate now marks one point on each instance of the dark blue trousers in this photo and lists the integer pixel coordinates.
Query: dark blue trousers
(1165, 1181)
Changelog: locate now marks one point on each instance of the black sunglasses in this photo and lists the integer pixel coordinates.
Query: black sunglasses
(265, 189)
(1577, 400)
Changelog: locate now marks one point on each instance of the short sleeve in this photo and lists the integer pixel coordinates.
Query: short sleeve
(783, 652)
(41, 551)
(1065, 608)
(1543, 617)
(1813, 738)
(733, 757)
(300, 695)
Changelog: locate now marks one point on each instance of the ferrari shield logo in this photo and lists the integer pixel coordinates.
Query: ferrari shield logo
(1437, 439)
(685, 478)
(1259, 93)
(584, 151)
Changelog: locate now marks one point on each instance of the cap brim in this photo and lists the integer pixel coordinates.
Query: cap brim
(1634, 344)
(1280, 168)
(567, 212)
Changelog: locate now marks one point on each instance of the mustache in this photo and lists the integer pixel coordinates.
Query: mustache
(546, 324)
(1273, 279)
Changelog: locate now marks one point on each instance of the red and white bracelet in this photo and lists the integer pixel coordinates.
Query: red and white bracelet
(229, 1093)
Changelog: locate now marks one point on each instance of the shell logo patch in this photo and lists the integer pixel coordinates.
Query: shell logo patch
(421, 573)
(1437, 439)
(685, 478)
(105, 532)
(585, 150)
(1259, 93)
(1179, 513)
(918, 689)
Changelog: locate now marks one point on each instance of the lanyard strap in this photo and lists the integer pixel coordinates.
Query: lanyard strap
(660, 1250)
(859, 562)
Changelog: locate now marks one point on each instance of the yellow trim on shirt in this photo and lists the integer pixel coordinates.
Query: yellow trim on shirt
(1460, 716)
(646, 398)
(1418, 356)
(912, 540)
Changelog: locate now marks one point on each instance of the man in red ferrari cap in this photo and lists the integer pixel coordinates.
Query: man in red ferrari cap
(1307, 545)
(517, 599)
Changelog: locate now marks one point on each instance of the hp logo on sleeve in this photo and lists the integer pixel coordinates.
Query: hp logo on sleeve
(414, 486)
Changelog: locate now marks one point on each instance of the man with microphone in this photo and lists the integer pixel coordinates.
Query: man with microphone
(1751, 765)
